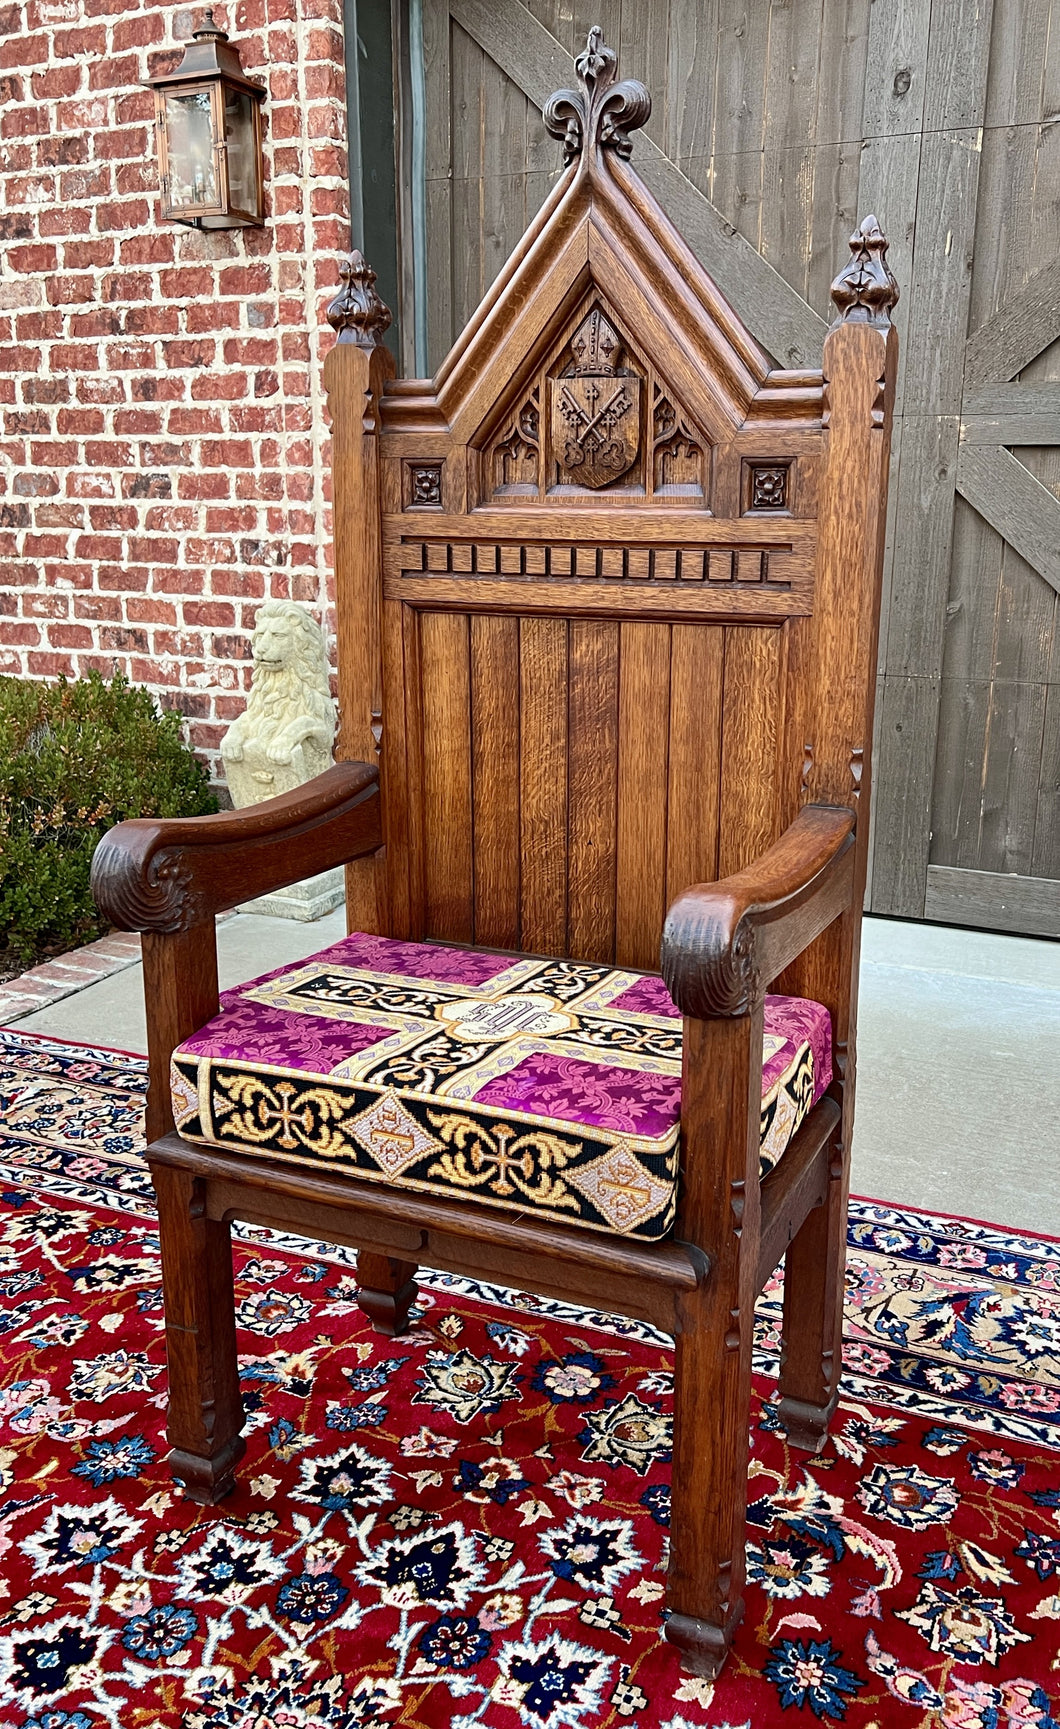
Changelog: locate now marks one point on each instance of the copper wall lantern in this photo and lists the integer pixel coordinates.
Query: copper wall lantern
(208, 118)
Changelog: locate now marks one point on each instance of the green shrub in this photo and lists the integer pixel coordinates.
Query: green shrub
(75, 758)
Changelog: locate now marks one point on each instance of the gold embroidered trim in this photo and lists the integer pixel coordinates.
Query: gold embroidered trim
(505, 1161)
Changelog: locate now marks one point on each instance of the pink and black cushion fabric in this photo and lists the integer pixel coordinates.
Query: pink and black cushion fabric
(531, 1084)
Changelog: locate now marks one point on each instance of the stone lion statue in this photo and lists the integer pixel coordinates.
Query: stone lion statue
(286, 733)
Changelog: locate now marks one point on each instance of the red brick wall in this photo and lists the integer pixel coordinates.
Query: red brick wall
(163, 461)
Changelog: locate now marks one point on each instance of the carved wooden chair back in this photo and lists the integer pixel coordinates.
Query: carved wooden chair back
(609, 582)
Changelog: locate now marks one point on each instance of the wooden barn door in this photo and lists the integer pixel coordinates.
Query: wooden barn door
(774, 125)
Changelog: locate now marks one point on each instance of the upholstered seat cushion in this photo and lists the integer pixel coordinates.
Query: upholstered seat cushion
(530, 1084)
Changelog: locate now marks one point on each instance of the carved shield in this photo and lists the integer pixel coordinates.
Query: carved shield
(596, 425)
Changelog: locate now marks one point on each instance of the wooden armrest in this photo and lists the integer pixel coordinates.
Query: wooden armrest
(724, 943)
(167, 874)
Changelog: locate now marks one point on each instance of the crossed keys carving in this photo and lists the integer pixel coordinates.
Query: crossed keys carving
(596, 408)
(588, 425)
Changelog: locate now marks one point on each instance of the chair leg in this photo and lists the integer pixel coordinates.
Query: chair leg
(708, 1511)
(811, 1359)
(386, 1292)
(205, 1409)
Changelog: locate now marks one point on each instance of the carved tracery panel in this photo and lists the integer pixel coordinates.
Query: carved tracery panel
(516, 455)
(678, 453)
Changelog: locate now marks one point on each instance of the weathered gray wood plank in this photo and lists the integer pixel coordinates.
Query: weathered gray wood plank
(977, 554)
(1011, 429)
(792, 58)
(936, 330)
(994, 900)
(896, 74)
(958, 64)
(1046, 860)
(775, 313)
(1019, 507)
(1022, 327)
(691, 59)
(438, 143)
(1005, 400)
(984, 806)
(1024, 413)
(1018, 61)
(923, 530)
(937, 315)
(845, 49)
(905, 770)
(881, 658)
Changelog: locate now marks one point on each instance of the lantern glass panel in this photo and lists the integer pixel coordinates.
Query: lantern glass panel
(189, 135)
(242, 150)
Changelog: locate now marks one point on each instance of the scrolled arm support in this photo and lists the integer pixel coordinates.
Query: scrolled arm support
(724, 943)
(168, 874)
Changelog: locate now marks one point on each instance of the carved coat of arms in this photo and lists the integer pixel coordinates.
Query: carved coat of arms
(596, 407)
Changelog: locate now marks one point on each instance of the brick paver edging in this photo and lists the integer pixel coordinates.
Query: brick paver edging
(51, 982)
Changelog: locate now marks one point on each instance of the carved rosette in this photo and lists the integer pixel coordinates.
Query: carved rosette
(601, 113)
(768, 486)
(865, 292)
(357, 314)
(423, 485)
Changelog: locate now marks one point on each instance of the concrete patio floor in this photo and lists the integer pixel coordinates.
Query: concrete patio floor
(958, 1068)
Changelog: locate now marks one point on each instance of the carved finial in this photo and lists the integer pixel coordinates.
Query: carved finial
(600, 113)
(865, 292)
(357, 313)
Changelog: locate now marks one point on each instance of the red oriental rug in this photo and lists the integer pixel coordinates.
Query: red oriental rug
(461, 1527)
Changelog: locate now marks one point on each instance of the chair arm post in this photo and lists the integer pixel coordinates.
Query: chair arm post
(720, 1213)
(180, 995)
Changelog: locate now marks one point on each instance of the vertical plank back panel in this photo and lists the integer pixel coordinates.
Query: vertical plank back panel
(394, 766)
(749, 819)
(543, 783)
(410, 766)
(643, 736)
(495, 778)
(593, 788)
(446, 701)
(697, 658)
(565, 777)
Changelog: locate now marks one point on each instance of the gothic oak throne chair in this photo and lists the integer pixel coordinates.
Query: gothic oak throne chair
(607, 592)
